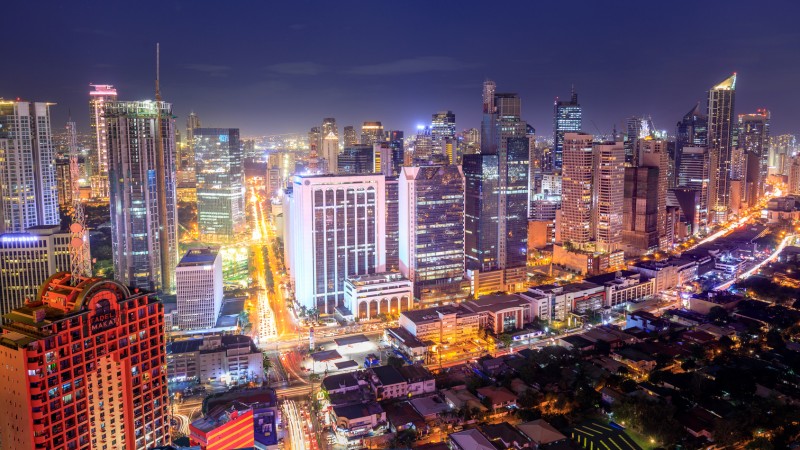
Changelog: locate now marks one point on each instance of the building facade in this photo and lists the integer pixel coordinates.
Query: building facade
(567, 118)
(335, 229)
(576, 189)
(83, 367)
(431, 214)
(607, 195)
(27, 260)
(143, 217)
(220, 184)
(368, 296)
(28, 190)
(720, 128)
(98, 156)
(230, 359)
(199, 288)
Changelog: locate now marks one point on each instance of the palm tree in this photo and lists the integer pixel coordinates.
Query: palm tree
(267, 364)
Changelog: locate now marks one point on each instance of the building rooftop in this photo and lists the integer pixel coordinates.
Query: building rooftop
(415, 372)
(505, 433)
(540, 432)
(612, 277)
(199, 257)
(471, 440)
(385, 277)
(495, 303)
(340, 381)
(409, 340)
(216, 420)
(388, 375)
(358, 410)
(427, 315)
(429, 406)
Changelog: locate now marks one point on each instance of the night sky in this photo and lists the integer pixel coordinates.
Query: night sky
(272, 67)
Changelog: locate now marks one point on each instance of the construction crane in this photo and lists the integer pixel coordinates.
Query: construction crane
(80, 265)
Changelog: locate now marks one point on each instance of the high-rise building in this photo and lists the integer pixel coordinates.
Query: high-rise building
(694, 173)
(350, 136)
(720, 126)
(637, 128)
(27, 259)
(335, 229)
(443, 129)
(398, 151)
(185, 164)
(794, 176)
(481, 211)
(359, 159)
(28, 190)
(84, 367)
(143, 226)
(781, 150)
(330, 152)
(329, 126)
(98, 152)
(431, 214)
(640, 210)
(220, 183)
(315, 138)
(607, 195)
(423, 146)
(576, 189)
(64, 182)
(198, 278)
(567, 118)
(371, 132)
(754, 140)
(692, 132)
(392, 224)
(654, 153)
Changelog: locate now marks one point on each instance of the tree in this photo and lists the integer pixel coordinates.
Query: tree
(266, 363)
(506, 339)
(395, 361)
(718, 315)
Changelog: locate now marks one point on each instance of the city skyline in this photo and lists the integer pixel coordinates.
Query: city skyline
(290, 78)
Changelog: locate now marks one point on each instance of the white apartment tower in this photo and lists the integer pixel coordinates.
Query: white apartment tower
(28, 190)
(98, 97)
(607, 194)
(199, 283)
(576, 189)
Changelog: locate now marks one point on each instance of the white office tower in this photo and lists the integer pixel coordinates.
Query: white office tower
(330, 153)
(608, 195)
(335, 228)
(199, 280)
(28, 190)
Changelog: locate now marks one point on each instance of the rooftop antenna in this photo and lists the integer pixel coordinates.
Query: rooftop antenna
(80, 265)
(158, 71)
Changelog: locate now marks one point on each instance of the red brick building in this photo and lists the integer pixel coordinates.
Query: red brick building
(224, 430)
(83, 367)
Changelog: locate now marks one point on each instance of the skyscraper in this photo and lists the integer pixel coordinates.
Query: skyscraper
(640, 210)
(335, 229)
(220, 183)
(315, 138)
(392, 224)
(607, 195)
(359, 159)
(638, 128)
(497, 192)
(83, 367)
(754, 140)
(694, 173)
(198, 278)
(371, 132)
(443, 129)
(398, 151)
(185, 164)
(330, 152)
(653, 153)
(431, 214)
(350, 137)
(98, 156)
(329, 126)
(28, 190)
(567, 117)
(692, 132)
(143, 226)
(27, 259)
(576, 189)
(720, 125)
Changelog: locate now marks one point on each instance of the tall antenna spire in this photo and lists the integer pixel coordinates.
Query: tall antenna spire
(158, 71)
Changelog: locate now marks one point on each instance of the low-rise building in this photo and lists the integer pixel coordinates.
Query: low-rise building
(499, 397)
(441, 324)
(419, 379)
(501, 313)
(340, 383)
(356, 421)
(469, 440)
(552, 302)
(623, 286)
(368, 296)
(387, 382)
(227, 429)
(668, 274)
(230, 359)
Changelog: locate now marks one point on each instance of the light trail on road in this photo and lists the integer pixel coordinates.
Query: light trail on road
(294, 425)
(753, 269)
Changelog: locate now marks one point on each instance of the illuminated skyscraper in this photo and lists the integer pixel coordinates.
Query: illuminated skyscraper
(350, 137)
(576, 189)
(692, 132)
(329, 126)
(198, 278)
(142, 258)
(653, 153)
(335, 229)
(443, 129)
(28, 190)
(608, 195)
(84, 367)
(693, 173)
(720, 126)
(638, 128)
(220, 183)
(185, 164)
(98, 156)
(371, 132)
(567, 118)
(754, 140)
(431, 214)
(315, 138)
(359, 159)
(398, 151)
(330, 153)
(640, 210)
